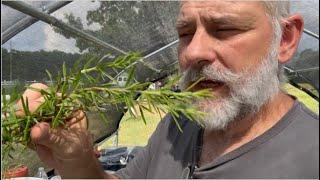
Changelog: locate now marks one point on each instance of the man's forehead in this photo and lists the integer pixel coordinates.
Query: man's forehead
(221, 7)
(219, 2)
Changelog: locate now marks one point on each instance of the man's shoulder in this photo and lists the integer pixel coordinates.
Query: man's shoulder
(302, 127)
(304, 115)
(298, 129)
(175, 128)
(174, 123)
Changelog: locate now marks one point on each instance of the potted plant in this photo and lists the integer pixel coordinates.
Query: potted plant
(13, 171)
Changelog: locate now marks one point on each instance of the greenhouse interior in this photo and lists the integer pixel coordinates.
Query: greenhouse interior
(47, 36)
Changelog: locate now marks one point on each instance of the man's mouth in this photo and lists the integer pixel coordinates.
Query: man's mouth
(209, 84)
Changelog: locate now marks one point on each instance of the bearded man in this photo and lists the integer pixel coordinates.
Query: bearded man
(253, 129)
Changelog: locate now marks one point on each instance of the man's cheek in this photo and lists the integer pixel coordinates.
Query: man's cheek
(183, 64)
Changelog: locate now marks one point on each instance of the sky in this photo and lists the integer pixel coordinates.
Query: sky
(40, 35)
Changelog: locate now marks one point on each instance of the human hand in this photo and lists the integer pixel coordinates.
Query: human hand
(68, 150)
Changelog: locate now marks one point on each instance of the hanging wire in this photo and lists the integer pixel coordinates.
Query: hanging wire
(311, 33)
(147, 56)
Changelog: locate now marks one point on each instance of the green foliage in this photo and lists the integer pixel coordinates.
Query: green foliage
(303, 97)
(88, 86)
(31, 65)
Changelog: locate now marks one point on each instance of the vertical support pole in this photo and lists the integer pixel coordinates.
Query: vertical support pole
(116, 139)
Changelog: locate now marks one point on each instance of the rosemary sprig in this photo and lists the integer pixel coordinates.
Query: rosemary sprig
(86, 89)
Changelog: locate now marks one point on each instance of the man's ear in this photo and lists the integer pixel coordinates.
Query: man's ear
(292, 29)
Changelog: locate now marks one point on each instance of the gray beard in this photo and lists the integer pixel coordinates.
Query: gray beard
(249, 91)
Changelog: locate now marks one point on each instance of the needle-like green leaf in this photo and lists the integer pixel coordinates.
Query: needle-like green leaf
(85, 88)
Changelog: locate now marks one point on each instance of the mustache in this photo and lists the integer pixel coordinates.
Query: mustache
(208, 72)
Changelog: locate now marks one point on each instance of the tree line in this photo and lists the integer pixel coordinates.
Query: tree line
(31, 65)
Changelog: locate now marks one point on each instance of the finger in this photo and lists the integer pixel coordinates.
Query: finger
(59, 138)
(40, 132)
(78, 120)
(34, 94)
(34, 98)
(33, 106)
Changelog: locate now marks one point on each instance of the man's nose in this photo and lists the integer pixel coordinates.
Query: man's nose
(200, 51)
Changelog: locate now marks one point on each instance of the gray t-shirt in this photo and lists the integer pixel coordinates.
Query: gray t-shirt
(290, 149)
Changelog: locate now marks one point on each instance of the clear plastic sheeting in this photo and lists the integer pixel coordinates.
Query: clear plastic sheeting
(15, 21)
(159, 65)
(10, 17)
(129, 25)
(145, 27)
(25, 57)
(303, 69)
(309, 9)
(304, 66)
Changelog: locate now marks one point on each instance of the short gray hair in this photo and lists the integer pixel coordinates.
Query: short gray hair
(277, 9)
(277, 12)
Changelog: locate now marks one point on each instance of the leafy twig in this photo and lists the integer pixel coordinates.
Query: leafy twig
(86, 89)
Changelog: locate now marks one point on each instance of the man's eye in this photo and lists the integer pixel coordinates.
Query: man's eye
(184, 35)
(227, 30)
(225, 33)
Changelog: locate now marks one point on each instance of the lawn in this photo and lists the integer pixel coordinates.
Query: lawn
(311, 103)
(133, 132)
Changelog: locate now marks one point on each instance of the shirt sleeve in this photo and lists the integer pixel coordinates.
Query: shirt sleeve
(137, 168)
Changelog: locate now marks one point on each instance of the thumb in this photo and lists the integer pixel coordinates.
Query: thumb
(40, 134)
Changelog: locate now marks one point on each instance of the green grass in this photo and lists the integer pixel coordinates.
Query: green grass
(303, 97)
(134, 132)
